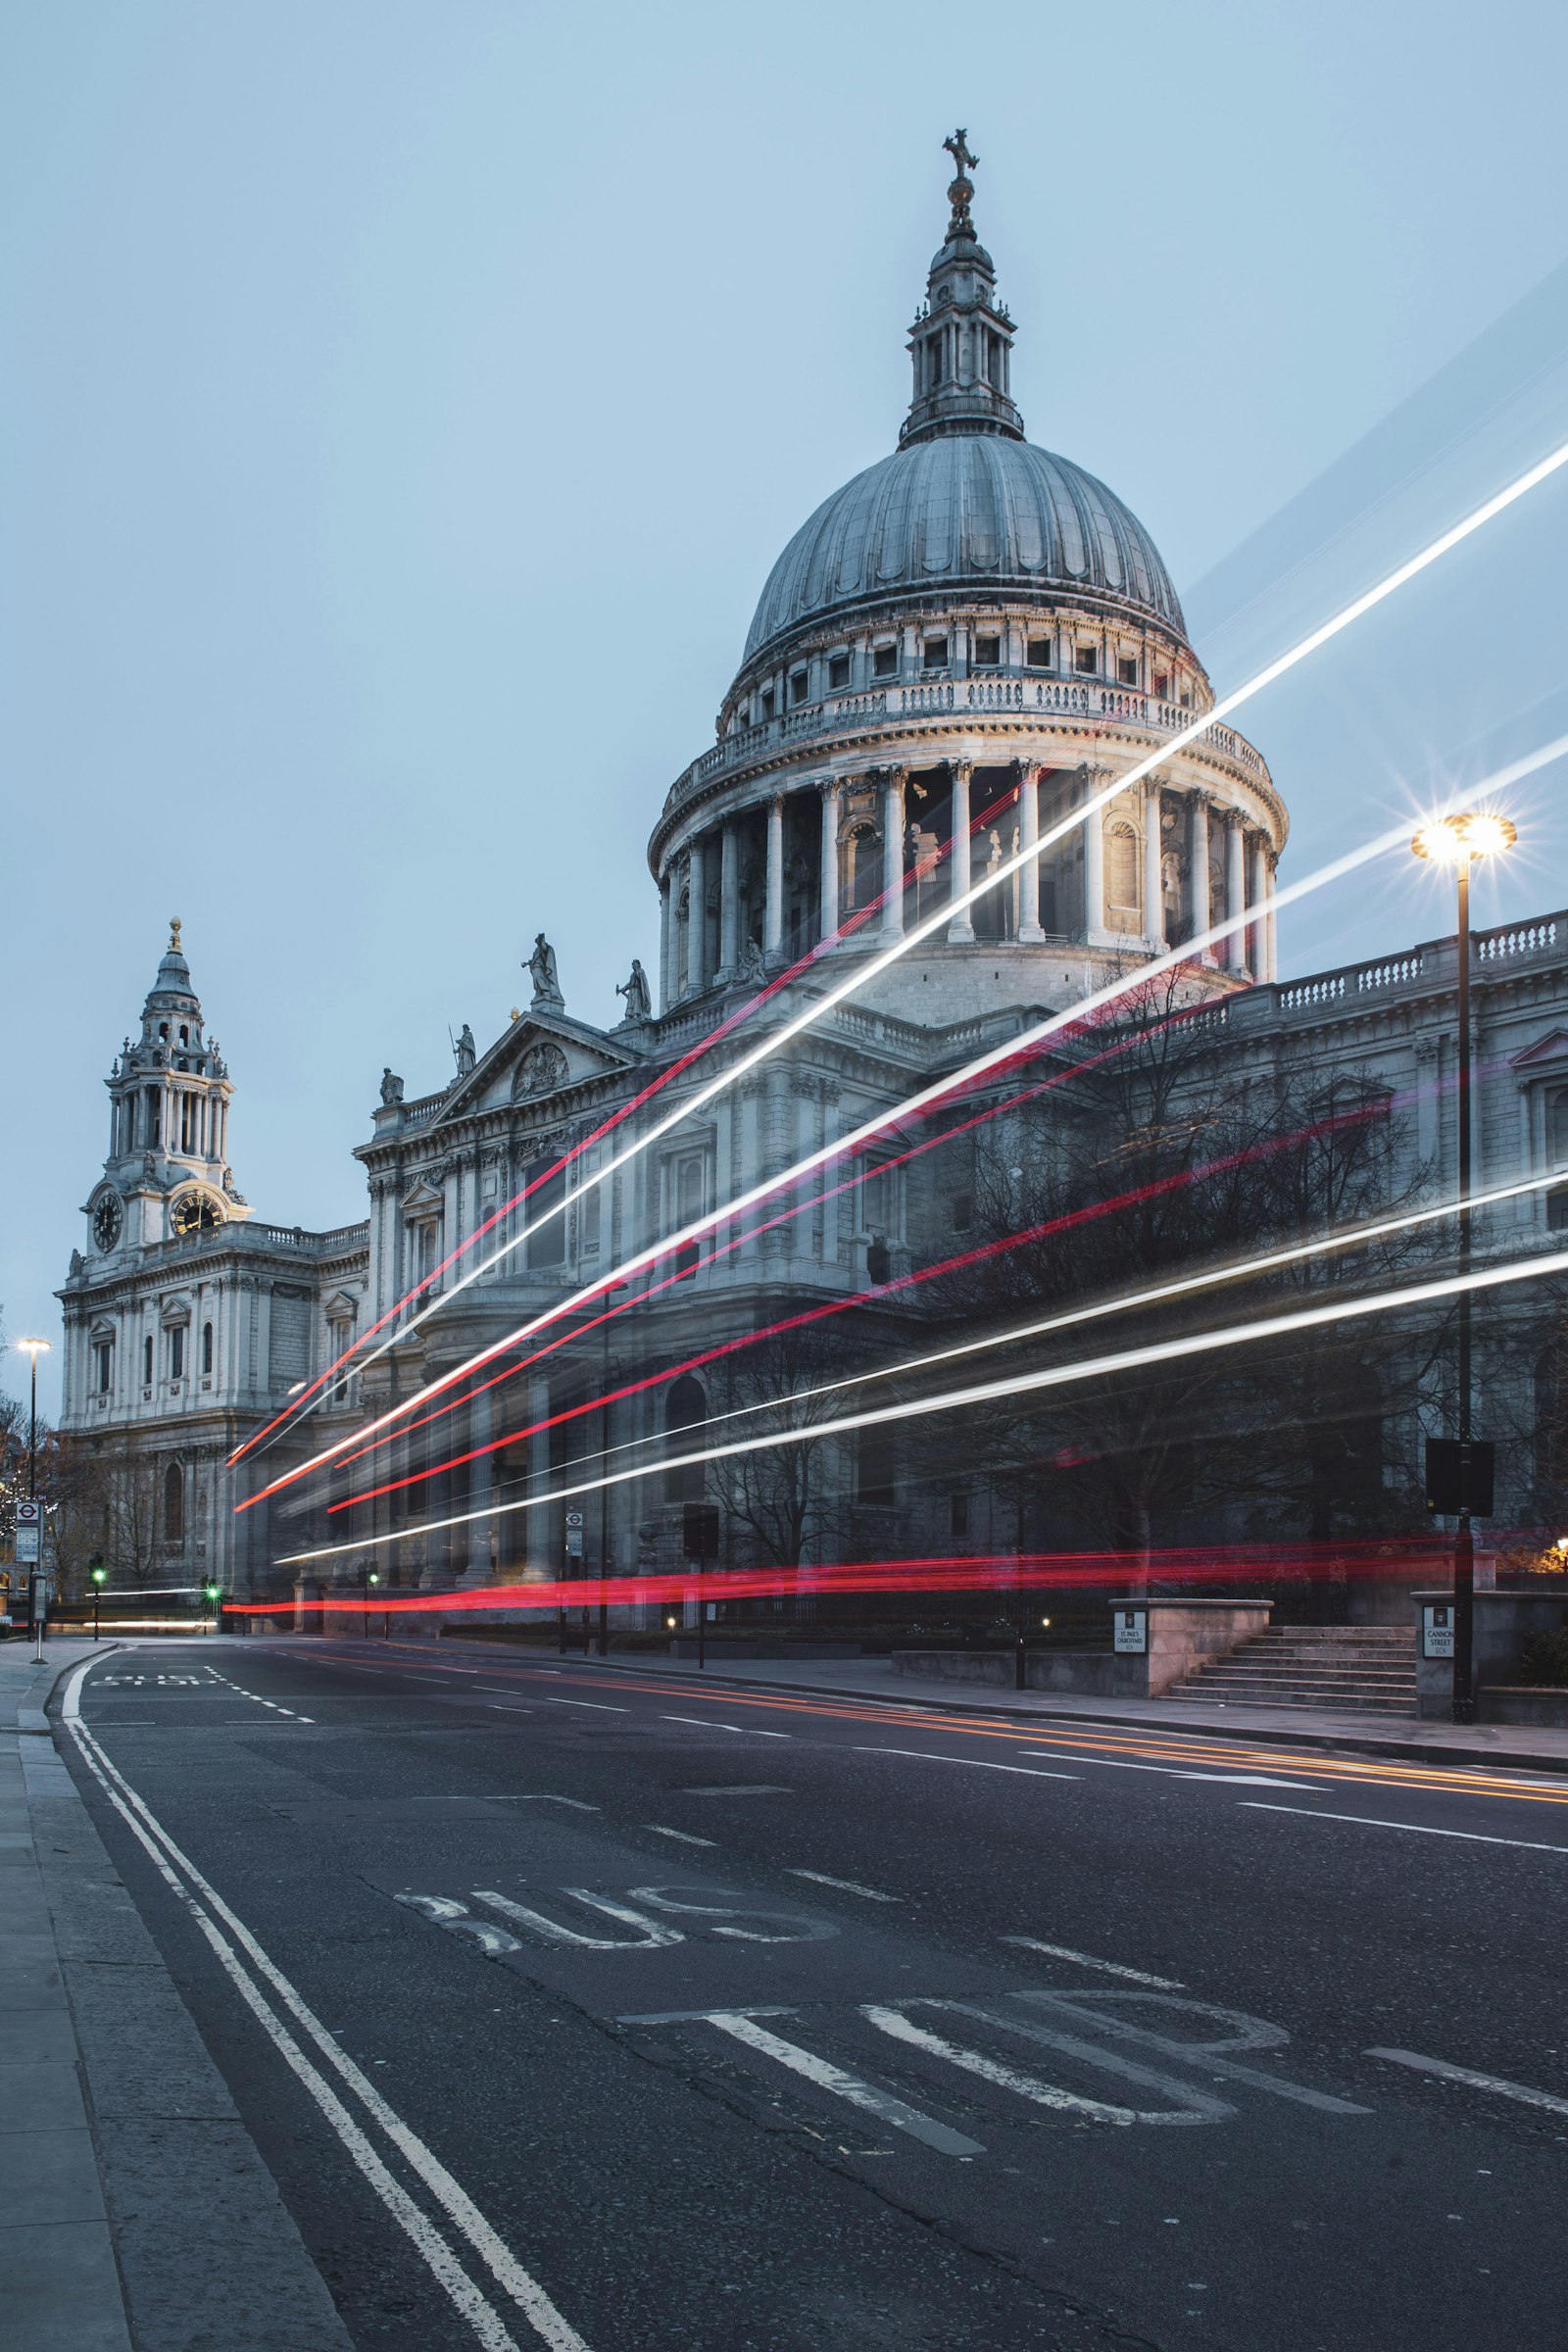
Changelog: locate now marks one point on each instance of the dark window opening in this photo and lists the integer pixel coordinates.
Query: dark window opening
(1557, 1211)
(176, 1352)
(1039, 653)
(147, 1361)
(876, 1475)
(878, 1264)
(988, 653)
(885, 661)
(799, 683)
(102, 1356)
(962, 1211)
(688, 1257)
(838, 671)
(173, 1504)
(685, 1419)
(958, 1518)
(1187, 702)
(1127, 669)
(207, 1347)
(767, 701)
(1162, 684)
(185, 1034)
(1086, 660)
(933, 361)
(934, 654)
(547, 1247)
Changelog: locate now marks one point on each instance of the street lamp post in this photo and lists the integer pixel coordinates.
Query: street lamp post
(33, 1349)
(97, 1571)
(1458, 841)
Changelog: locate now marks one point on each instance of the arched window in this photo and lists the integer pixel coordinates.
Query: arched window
(685, 1419)
(861, 882)
(174, 1504)
(207, 1347)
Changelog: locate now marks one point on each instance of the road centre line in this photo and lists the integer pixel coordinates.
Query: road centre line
(1416, 1829)
(548, 1698)
(1109, 1968)
(819, 1877)
(188, 1884)
(706, 1723)
(684, 1837)
(973, 1763)
(1171, 1771)
(1467, 2075)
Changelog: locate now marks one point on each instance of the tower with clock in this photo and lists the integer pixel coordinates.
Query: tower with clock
(167, 1173)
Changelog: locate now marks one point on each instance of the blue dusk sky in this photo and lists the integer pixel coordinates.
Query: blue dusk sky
(404, 405)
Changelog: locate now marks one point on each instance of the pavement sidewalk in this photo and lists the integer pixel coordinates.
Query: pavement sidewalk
(1531, 1747)
(136, 2214)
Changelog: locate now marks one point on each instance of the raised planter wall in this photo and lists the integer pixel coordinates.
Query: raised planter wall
(1182, 1634)
(1504, 1621)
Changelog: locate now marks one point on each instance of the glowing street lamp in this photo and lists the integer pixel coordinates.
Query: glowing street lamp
(33, 1349)
(1457, 841)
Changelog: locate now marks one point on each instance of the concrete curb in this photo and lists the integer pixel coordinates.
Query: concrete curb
(1414, 1749)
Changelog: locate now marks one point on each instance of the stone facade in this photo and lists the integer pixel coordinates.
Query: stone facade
(958, 649)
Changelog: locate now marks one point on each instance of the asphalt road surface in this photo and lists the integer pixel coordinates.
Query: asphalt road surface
(585, 2006)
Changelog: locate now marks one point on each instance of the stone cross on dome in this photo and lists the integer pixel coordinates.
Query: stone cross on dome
(961, 189)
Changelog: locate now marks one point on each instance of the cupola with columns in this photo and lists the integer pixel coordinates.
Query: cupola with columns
(958, 646)
(167, 1172)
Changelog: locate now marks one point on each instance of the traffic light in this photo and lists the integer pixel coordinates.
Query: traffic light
(212, 1592)
(98, 1572)
(373, 1576)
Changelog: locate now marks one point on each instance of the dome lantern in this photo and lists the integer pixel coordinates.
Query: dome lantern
(961, 339)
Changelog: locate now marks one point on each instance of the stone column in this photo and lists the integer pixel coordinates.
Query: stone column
(1198, 859)
(540, 1550)
(892, 854)
(1235, 889)
(695, 919)
(667, 941)
(832, 803)
(729, 901)
(1271, 965)
(961, 928)
(1153, 869)
(481, 1487)
(1258, 900)
(774, 914)
(1029, 931)
(1094, 831)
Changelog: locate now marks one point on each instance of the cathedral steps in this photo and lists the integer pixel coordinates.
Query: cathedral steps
(1342, 1669)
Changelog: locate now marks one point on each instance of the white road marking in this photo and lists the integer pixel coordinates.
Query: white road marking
(820, 1878)
(1193, 2106)
(241, 1692)
(1170, 1772)
(1464, 2073)
(1209, 2057)
(1416, 1829)
(743, 2028)
(973, 1763)
(655, 1935)
(599, 1706)
(541, 1798)
(494, 1942)
(173, 1865)
(1007, 2077)
(685, 1837)
(708, 1723)
(1109, 1968)
(500, 1706)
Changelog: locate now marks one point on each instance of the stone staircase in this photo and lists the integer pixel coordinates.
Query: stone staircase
(1343, 1669)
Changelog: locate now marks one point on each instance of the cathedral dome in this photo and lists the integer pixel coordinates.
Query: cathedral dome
(964, 510)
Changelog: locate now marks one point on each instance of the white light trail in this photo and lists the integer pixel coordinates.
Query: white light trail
(1324, 1246)
(1023, 1384)
(864, 973)
(912, 1105)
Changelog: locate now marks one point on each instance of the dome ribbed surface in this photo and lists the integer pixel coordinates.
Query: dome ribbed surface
(966, 511)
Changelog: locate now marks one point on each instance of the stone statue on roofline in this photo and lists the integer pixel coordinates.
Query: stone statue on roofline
(466, 1051)
(639, 1003)
(542, 969)
(391, 1087)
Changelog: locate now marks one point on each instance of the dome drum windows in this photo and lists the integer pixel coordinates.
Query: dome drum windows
(1040, 653)
(799, 687)
(837, 672)
(885, 660)
(1086, 660)
(1126, 669)
(935, 653)
(988, 652)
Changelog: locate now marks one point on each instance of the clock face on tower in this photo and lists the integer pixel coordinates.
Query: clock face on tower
(196, 1212)
(106, 1219)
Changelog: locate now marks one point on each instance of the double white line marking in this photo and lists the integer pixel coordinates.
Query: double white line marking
(462, 2217)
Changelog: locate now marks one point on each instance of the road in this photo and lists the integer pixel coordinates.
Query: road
(584, 2005)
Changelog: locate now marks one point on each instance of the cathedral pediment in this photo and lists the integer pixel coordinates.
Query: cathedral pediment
(1548, 1054)
(543, 1052)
